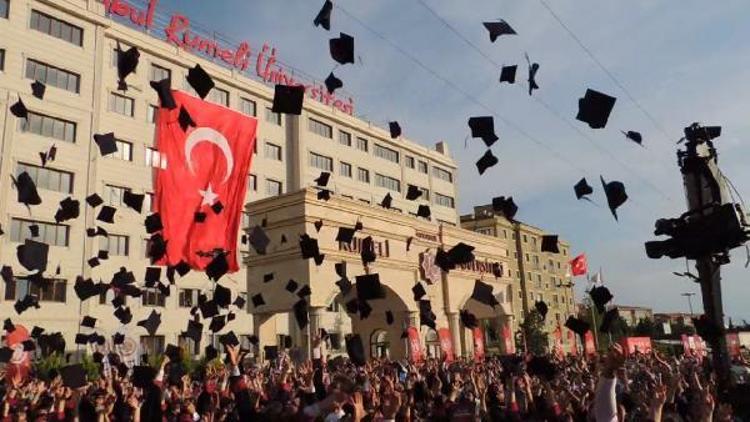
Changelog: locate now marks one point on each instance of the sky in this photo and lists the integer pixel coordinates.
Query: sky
(680, 64)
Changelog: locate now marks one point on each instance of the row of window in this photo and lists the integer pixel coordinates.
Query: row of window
(55, 27)
(273, 187)
(47, 178)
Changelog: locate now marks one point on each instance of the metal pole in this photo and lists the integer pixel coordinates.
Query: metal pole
(593, 321)
(689, 297)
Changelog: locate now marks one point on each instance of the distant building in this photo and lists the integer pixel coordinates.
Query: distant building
(633, 314)
(675, 318)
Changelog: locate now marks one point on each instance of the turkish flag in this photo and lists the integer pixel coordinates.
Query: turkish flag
(205, 172)
(578, 265)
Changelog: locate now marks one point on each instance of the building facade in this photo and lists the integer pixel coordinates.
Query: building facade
(536, 276)
(70, 45)
(633, 314)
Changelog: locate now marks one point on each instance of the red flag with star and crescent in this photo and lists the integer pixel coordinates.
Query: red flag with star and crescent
(206, 172)
(578, 265)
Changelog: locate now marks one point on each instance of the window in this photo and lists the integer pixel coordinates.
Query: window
(49, 233)
(2, 55)
(159, 73)
(252, 182)
(124, 151)
(148, 201)
(320, 128)
(423, 166)
(113, 195)
(189, 345)
(155, 159)
(425, 193)
(442, 174)
(117, 245)
(362, 144)
(53, 290)
(247, 106)
(345, 169)
(121, 104)
(387, 182)
(272, 151)
(410, 162)
(363, 175)
(321, 162)
(345, 138)
(188, 298)
(152, 345)
(386, 153)
(219, 96)
(273, 187)
(50, 127)
(152, 297)
(272, 117)
(444, 200)
(333, 307)
(47, 178)
(52, 76)
(4, 7)
(525, 239)
(152, 112)
(56, 28)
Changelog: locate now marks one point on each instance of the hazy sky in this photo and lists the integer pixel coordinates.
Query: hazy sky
(682, 63)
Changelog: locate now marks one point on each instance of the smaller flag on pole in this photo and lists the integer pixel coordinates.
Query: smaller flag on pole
(578, 265)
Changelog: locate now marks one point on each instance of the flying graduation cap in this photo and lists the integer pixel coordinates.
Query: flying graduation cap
(106, 142)
(127, 62)
(163, 89)
(483, 127)
(259, 240)
(542, 308)
(550, 243)
(413, 192)
(355, 349)
(288, 99)
(486, 161)
(387, 200)
(594, 108)
(38, 89)
(395, 129)
(26, 189)
(324, 16)
(482, 293)
(506, 206)
(533, 69)
(32, 255)
(616, 195)
(333, 83)
(609, 317)
(577, 326)
(582, 189)
(508, 74)
(498, 28)
(468, 319)
(185, 119)
(601, 296)
(633, 136)
(200, 80)
(342, 48)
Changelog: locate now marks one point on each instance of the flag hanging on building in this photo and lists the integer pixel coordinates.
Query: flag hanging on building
(578, 265)
(200, 191)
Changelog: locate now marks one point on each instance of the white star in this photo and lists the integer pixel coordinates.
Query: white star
(208, 196)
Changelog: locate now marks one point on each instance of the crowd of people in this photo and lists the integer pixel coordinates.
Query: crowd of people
(608, 387)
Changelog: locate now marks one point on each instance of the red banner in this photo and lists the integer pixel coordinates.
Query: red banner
(446, 344)
(558, 340)
(733, 344)
(203, 170)
(415, 348)
(508, 339)
(632, 345)
(478, 335)
(573, 343)
(589, 347)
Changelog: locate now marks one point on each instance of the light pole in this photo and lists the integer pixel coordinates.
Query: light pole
(690, 301)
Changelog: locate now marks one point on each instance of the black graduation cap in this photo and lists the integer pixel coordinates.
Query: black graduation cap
(582, 189)
(389, 317)
(424, 211)
(229, 339)
(164, 289)
(304, 291)
(259, 240)
(153, 274)
(268, 277)
(106, 142)
(594, 108)
(217, 267)
(322, 180)
(352, 306)
(318, 224)
(541, 367)
(34, 230)
(8, 325)
(542, 308)
(85, 289)
(36, 332)
(185, 119)
(461, 253)
(496, 29)
(505, 206)
(210, 352)
(468, 319)
(182, 268)
(333, 83)
(369, 287)
(133, 200)
(164, 89)
(28, 345)
(7, 273)
(69, 209)
(118, 338)
(19, 109)
(443, 260)
(127, 62)
(482, 293)
(426, 316)
(257, 300)
(200, 80)
(33, 255)
(88, 321)
(483, 127)
(151, 324)
(73, 376)
(508, 74)
(550, 244)
(118, 300)
(309, 247)
(616, 195)
(288, 99)
(94, 200)
(81, 339)
(342, 48)
(239, 302)
(413, 192)
(324, 195)
(123, 315)
(5, 354)
(533, 69)
(143, 376)
(367, 252)
(634, 136)
(194, 331)
(364, 309)
(107, 214)
(340, 268)
(601, 296)
(222, 296)
(577, 326)
(157, 247)
(345, 234)
(48, 155)
(344, 285)
(324, 16)
(173, 352)
(27, 193)
(291, 286)
(38, 89)
(486, 161)
(497, 270)
(408, 242)
(419, 291)
(609, 317)
(208, 308)
(355, 349)
(387, 200)
(217, 323)
(395, 129)
(300, 313)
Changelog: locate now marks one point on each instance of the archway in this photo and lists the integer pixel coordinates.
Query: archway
(379, 344)
(432, 344)
(493, 325)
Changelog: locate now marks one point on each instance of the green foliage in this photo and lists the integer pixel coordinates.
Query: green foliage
(92, 368)
(45, 364)
(646, 327)
(536, 338)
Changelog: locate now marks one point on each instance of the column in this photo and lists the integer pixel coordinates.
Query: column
(454, 323)
(265, 333)
(316, 316)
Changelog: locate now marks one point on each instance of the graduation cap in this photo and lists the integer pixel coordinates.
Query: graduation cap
(5, 354)
(151, 324)
(259, 240)
(82, 339)
(533, 69)
(153, 275)
(217, 323)
(468, 319)
(48, 155)
(364, 310)
(541, 367)
(542, 308)
(609, 317)
(601, 296)
(85, 289)
(36, 332)
(345, 235)
(577, 326)
(288, 99)
(342, 48)
(222, 296)
(34, 230)
(443, 260)
(426, 316)
(634, 136)
(164, 289)
(127, 62)
(173, 352)
(389, 317)
(19, 109)
(106, 142)
(616, 195)
(118, 338)
(582, 189)
(322, 180)
(38, 89)
(94, 200)
(506, 206)
(208, 308)
(8, 325)
(594, 108)
(217, 267)
(413, 192)
(292, 286)
(163, 88)
(369, 287)
(257, 300)
(408, 242)
(107, 214)
(424, 211)
(324, 195)
(318, 224)
(267, 277)
(300, 313)
(217, 207)
(367, 251)
(344, 285)
(24, 304)
(69, 209)
(32, 255)
(508, 74)
(123, 277)
(352, 306)
(496, 29)
(229, 339)
(395, 129)
(28, 345)
(419, 291)
(497, 269)
(283, 239)
(133, 200)
(123, 315)
(194, 331)
(387, 200)
(461, 253)
(239, 302)
(355, 349)
(309, 247)
(143, 376)
(550, 244)
(185, 119)
(211, 352)
(88, 321)
(483, 127)
(324, 16)
(182, 268)
(200, 80)
(7, 273)
(73, 376)
(482, 293)
(26, 188)
(333, 83)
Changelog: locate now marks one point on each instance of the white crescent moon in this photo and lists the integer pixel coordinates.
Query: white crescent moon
(207, 134)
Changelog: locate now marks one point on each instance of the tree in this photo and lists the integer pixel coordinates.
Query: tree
(533, 330)
(646, 328)
(617, 330)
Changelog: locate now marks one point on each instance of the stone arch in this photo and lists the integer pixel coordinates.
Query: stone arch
(491, 322)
